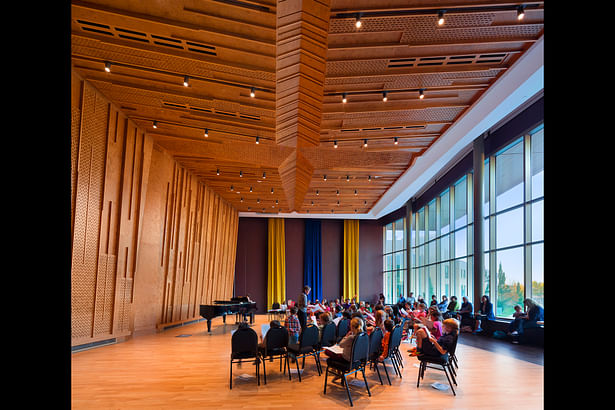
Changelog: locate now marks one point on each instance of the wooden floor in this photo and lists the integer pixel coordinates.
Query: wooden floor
(185, 367)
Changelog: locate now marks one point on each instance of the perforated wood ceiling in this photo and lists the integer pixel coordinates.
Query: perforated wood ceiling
(300, 58)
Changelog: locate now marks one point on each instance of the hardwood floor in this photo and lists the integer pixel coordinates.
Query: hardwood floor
(186, 367)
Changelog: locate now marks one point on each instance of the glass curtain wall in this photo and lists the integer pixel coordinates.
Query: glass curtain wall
(441, 235)
(513, 224)
(395, 269)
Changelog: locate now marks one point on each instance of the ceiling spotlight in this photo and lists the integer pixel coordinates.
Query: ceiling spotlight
(347, 178)
(364, 202)
(107, 66)
(186, 81)
(396, 142)
(218, 171)
(155, 124)
(324, 177)
(338, 203)
(257, 140)
(358, 21)
(206, 133)
(355, 192)
(240, 174)
(264, 175)
(241, 199)
(258, 200)
(317, 192)
(250, 189)
(337, 192)
(384, 96)
(334, 144)
(440, 18)
(272, 190)
(252, 92)
(232, 189)
(369, 178)
(344, 100)
(276, 202)
(312, 203)
(365, 143)
(520, 12)
(421, 93)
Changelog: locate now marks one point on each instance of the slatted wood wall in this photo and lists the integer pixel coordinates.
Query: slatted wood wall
(110, 158)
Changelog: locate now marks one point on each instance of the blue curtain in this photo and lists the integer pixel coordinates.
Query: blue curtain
(312, 261)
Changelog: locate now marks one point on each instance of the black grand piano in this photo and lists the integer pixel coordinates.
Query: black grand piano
(240, 306)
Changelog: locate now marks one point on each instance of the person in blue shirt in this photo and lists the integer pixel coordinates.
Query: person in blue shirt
(535, 313)
(485, 313)
(410, 299)
(443, 305)
(401, 301)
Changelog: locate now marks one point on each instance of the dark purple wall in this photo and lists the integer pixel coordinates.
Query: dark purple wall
(251, 262)
(295, 242)
(370, 260)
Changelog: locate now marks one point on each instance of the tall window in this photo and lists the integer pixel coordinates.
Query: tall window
(395, 266)
(513, 205)
(441, 235)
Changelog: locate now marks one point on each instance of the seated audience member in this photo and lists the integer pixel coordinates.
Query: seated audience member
(402, 300)
(368, 307)
(452, 308)
(379, 318)
(381, 299)
(338, 312)
(433, 321)
(292, 324)
(428, 345)
(388, 330)
(346, 304)
(535, 313)
(484, 313)
(434, 301)
(356, 326)
(323, 319)
(421, 300)
(443, 305)
(378, 306)
(411, 300)
(419, 312)
(465, 314)
(272, 325)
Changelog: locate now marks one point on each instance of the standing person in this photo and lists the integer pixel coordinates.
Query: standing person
(485, 313)
(293, 326)
(302, 304)
(381, 299)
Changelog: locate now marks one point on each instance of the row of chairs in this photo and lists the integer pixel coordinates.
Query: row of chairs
(365, 350)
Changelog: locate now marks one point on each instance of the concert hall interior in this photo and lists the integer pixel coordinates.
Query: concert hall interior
(225, 154)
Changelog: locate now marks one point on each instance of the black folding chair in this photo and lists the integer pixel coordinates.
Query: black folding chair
(443, 361)
(244, 345)
(395, 343)
(343, 326)
(358, 359)
(274, 312)
(375, 349)
(308, 343)
(328, 338)
(276, 341)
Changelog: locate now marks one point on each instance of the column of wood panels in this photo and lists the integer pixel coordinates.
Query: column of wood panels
(110, 165)
(110, 160)
(198, 250)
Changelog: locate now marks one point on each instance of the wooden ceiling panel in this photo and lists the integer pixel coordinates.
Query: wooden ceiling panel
(298, 58)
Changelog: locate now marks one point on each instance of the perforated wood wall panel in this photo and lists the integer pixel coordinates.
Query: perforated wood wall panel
(110, 161)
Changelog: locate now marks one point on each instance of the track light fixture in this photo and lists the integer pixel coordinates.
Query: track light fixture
(324, 177)
(258, 200)
(369, 178)
(107, 66)
(317, 192)
(155, 124)
(241, 199)
(421, 93)
(440, 17)
(252, 94)
(218, 171)
(384, 96)
(347, 178)
(186, 81)
(206, 133)
(520, 12)
(344, 99)
(365, 143)
(337, 192)
(358, 21)
(272, 190)
(232, 189)
(335, 144)
(257, 140)
(240, 174)
(250, 189)
(355, 192)
(264, 175)
(396, 142)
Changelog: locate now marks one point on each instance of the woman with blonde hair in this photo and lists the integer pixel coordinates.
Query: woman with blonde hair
(356, 327)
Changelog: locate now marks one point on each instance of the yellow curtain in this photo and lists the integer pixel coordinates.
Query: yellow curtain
(351, 258)
(276, 263)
